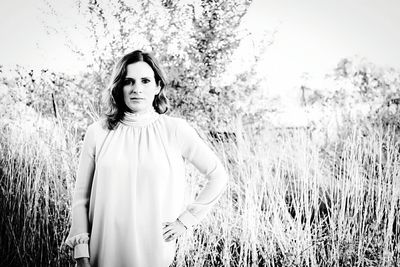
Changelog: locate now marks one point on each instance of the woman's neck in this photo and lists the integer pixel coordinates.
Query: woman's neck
(139, 118)
(140, 113)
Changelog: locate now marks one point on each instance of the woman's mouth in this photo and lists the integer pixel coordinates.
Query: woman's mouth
(136, 98)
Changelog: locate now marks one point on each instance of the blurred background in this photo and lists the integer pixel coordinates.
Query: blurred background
(299, 98)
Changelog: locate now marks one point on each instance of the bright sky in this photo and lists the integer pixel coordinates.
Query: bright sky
(25, 40)
(311, 36)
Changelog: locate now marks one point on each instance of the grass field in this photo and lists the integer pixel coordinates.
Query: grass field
(289, 202)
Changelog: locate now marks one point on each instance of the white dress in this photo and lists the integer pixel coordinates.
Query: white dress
(132, 179)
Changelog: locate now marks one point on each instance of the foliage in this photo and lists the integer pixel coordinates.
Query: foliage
(356, 92)
(194, 41)
(50, 94)
(358, 85)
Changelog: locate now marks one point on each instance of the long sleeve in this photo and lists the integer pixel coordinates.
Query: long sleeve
(194, 149)
(78, 237)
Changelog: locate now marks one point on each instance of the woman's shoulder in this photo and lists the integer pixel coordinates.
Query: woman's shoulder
(183, 131)
(180, 126)
(97, 127)
(173, 121)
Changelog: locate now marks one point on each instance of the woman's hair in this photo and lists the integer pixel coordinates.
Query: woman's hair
(114, 98)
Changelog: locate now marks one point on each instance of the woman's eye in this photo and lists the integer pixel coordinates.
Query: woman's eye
(128, 82)
(145, 81)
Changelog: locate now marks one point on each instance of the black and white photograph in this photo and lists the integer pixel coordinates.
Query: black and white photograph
(199, 133)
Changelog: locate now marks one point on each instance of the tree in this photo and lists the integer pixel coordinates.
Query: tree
(357, 91)
(194, 40)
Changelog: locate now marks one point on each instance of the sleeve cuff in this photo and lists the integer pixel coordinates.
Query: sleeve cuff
(81, 251)
(77, 239)
(188, 219)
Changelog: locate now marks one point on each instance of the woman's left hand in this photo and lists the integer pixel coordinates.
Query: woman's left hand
(172, 230)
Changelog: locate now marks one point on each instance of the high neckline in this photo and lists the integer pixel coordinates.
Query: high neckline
(139, 119)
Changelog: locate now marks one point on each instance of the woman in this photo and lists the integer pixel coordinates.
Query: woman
(129, 191)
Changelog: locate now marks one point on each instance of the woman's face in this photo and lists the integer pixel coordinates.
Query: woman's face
(139, 87)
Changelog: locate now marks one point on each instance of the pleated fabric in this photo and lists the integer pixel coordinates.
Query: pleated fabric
(130, 180)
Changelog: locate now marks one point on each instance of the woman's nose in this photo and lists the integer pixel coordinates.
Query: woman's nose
(136, 89)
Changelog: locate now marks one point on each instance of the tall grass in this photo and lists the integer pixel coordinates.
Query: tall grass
(289, 201)
(37, 159)
(292, 203)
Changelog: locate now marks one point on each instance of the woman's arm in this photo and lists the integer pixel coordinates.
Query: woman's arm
(78, 237)
(195, 150)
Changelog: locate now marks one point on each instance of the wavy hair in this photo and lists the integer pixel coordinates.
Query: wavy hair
(114, 98)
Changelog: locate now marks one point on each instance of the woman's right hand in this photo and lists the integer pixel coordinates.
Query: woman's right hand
(82, 262)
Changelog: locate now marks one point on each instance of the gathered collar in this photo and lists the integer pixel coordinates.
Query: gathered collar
(140, 119)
